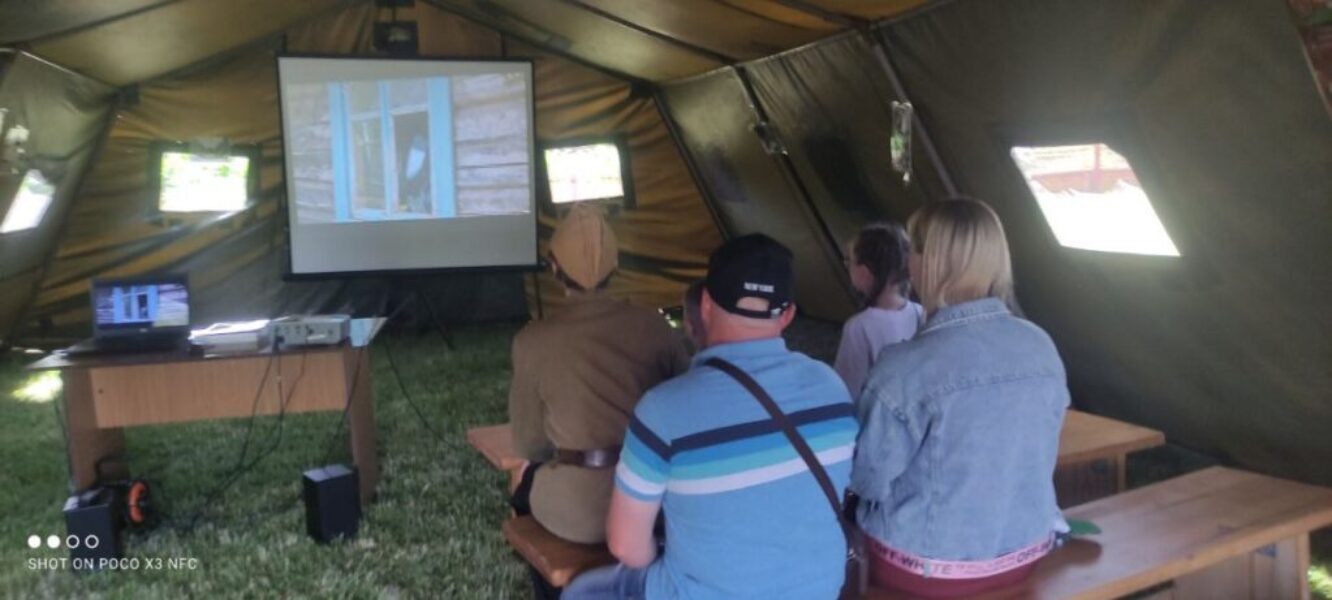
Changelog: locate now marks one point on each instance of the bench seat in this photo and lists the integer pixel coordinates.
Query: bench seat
(1215, 533)
(495, 442)
(558, 560)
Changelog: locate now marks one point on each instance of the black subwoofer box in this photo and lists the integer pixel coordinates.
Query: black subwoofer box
(92, 527)
(332, 502)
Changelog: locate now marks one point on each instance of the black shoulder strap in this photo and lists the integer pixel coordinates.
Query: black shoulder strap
(801, 446)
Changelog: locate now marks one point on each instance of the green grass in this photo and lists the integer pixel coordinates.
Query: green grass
(433, 532)
(1321, 582)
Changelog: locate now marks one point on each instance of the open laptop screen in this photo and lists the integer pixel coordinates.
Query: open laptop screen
(140, 305)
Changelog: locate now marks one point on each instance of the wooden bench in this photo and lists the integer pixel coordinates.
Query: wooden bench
(558, 560)
(495, 443)
(1092, 453)
(1216, 533)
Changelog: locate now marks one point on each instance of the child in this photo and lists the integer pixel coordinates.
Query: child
(877, 263)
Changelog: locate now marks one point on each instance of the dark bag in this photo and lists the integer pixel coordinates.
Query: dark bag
(853, 586)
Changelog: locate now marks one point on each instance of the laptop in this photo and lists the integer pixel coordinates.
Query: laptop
(142, 314)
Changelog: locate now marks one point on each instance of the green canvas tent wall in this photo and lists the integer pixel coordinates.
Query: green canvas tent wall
(773, 116)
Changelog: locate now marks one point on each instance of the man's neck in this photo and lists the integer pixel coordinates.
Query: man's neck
(735, 337)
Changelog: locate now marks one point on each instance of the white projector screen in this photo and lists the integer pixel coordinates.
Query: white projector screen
(402, 165)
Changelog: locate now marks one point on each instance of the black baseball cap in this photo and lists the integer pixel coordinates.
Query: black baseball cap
(753, 265)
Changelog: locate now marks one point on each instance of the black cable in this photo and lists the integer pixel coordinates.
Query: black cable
(242, 467)
(356, 375)
(397, 376)
(193, 521)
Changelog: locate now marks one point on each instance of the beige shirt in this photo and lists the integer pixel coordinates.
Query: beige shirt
(577, 376)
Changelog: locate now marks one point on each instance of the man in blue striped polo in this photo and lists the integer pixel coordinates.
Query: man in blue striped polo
(744, 515)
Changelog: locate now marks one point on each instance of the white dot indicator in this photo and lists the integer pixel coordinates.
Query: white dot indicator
(53, 542)
(34, 541)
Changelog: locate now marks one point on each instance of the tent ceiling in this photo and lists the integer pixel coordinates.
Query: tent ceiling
(173, 35)
(27, 20)
(128, 41)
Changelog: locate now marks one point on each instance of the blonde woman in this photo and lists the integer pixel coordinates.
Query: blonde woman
(960, 425)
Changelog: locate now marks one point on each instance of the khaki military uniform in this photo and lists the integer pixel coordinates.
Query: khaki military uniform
(576, 379)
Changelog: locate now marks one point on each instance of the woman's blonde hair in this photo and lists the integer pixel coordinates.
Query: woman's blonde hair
(964, 253)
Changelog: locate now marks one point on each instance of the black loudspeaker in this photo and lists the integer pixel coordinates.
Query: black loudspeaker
(92, 527)
(332, 502)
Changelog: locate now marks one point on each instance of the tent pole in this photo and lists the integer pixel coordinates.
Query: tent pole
(708, 53)
(704, 191)
(65, 215)
(878, 40)
(443, 6)
(831, 246)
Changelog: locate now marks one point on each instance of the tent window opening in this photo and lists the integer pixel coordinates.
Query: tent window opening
(198, 182)
(1092, 199)
(587, 172)
(30, 203)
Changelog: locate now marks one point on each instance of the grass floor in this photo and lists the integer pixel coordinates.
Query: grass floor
(433, 532)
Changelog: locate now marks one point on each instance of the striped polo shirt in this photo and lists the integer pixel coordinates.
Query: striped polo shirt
(744, 516)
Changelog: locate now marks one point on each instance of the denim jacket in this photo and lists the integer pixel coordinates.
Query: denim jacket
(959, 436)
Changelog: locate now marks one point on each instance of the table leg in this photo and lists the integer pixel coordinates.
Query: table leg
(87, 443)
(1121, 473)
(361, 426)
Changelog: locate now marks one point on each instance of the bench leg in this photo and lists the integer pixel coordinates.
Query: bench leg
(1276, 572)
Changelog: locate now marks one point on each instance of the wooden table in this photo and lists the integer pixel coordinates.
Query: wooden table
(1093, 453)
(105, 393)
(1215, 533)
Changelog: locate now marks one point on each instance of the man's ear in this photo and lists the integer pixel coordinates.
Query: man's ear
(705, 308)
(788, 315)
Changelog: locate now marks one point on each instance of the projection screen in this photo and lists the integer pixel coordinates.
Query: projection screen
(407, 164)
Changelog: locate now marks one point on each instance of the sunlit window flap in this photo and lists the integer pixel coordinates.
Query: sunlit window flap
(1093, 200)
(30, 203)
(581, 173)
(203, 183)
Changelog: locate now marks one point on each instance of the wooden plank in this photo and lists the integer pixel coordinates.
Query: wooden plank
(1163, 532)
(87, 441)
(557, 560)
(1158, 533)
(147, 394)
(495, 442)
(1087, 437)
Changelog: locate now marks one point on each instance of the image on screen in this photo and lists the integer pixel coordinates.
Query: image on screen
(151, 305)
(408, 164)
